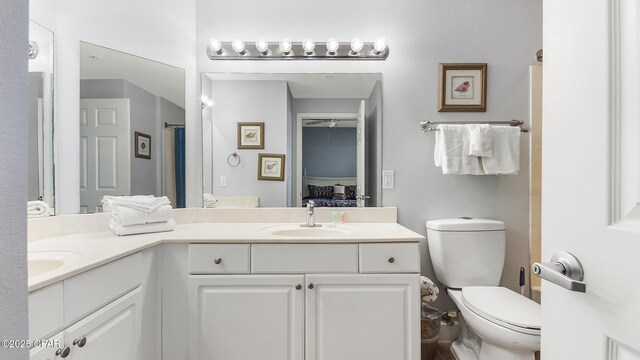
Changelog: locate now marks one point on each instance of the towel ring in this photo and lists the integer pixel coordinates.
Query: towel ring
(233, 163)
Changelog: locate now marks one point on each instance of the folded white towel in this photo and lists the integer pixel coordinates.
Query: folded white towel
(506, 152)
(209, 200)
(452, 151)
(147, 203)
(36, 209)
(480, 140)
(126, 216)
(141, 229)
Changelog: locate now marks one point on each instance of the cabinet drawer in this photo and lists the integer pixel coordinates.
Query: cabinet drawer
(390, 258)
(93, 289)
(304, 258)
(45, 311)
(219, 259)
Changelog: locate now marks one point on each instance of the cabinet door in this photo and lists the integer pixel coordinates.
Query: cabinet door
(242, 317)
(112, 332)
(48, 349)
(363, 317)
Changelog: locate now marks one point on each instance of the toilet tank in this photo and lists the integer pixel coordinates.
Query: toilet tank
(466, 251)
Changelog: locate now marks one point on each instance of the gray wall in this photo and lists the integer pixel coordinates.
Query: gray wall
(249, 101)
(329, 152)
(13, 188)
(420, 34)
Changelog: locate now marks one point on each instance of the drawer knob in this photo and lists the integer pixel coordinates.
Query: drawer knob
(311, 286)
(217, 260)
(64, 352)
(80, 342)
(299, 287)
(391, 260)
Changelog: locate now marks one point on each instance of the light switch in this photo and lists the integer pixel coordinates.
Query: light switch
(223, 181)
(388, 179)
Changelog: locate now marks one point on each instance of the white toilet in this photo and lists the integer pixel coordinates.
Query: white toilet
(468, 256)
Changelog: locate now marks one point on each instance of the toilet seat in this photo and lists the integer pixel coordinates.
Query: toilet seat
(503, 307)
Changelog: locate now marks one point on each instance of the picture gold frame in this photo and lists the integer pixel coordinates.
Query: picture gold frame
(462, 87)
(271, 167)
(142, 144)
(253, 129)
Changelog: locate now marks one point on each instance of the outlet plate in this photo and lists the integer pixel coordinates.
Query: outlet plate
(388, 179)
(223, 181)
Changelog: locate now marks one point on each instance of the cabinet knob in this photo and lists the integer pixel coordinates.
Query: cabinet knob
(64, 352)
(217, 260)
(80, 342)
(299, 287)
(391, 260)
(310, 286)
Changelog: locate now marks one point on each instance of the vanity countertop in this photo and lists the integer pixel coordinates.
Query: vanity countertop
(95, 249)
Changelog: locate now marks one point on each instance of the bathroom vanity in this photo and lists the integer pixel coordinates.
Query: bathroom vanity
(230, 291)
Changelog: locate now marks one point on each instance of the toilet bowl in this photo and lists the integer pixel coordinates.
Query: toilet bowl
(468, 257)
(507, 323)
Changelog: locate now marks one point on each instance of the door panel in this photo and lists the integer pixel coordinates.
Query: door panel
(590, 177)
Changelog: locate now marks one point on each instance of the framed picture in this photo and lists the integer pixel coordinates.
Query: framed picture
(271, 167)
(463, 87)
(143, 145)
(250, 135)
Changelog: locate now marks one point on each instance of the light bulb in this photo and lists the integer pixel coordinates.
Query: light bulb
(263, 46)
(379, 45)
(238, 46)
(308, 45)
(216, 46)
(285, 46)
(356, 46)
(332, 46)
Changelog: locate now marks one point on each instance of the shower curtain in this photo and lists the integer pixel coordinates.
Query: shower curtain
(180, 167)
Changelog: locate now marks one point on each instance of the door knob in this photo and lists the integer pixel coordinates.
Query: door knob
(310, 286)
(299, 287)
(564, 270)
(217, 260)
(391, 260)
(64, 352)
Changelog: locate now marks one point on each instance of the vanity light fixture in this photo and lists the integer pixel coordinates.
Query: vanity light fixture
(285, 49)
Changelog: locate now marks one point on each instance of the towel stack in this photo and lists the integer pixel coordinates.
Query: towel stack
(209, 200)
(138, 214)
(477, 149)
(37, 209)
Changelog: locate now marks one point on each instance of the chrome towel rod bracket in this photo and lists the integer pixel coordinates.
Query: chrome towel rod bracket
(432, 125)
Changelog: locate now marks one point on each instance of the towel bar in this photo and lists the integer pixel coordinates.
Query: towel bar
(431, 125)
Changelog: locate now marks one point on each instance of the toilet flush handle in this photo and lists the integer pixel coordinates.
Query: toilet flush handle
(564, 270)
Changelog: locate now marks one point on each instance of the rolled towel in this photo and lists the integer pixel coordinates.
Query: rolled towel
(506, 152)
(452, 151)
(126, 216)
(36, 209)
(480, 140)
(141, 229)
(146, 203)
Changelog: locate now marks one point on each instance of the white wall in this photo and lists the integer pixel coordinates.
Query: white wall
(13, 187)
(421, 34)
(160, 30)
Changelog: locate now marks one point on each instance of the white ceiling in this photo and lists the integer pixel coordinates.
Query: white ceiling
(315, 86)
(157, 78)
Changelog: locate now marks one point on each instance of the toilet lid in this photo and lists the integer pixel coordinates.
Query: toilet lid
(504, 307)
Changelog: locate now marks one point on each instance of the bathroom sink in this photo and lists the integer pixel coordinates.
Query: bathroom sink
(300, 231)
(46, 261)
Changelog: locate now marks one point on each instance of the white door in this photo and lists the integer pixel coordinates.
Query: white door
(591, 177)
(104, 151)
(362, 151)
(112, 332)
(362, 317)
(241, 317)
(49, 349)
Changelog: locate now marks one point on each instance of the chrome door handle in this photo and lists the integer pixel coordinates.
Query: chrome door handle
(564, 270)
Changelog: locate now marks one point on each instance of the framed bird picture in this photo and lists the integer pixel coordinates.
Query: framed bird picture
(271, 167)
(463, 88)
(250, 135)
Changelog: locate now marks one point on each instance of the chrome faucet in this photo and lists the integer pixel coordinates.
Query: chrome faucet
(311, 216)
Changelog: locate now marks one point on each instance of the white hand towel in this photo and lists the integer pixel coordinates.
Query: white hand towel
(480, 140)
(209, 200)
(126, 216)
(141, 229)
(452, 149)
(506, 152)
(36, 209)
(146, 203)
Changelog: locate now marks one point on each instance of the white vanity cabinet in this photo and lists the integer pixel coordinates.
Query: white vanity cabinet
(305, 302)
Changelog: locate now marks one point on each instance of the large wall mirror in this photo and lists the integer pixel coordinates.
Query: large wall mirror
(40, 147)
(274, 140)
(132, 119)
